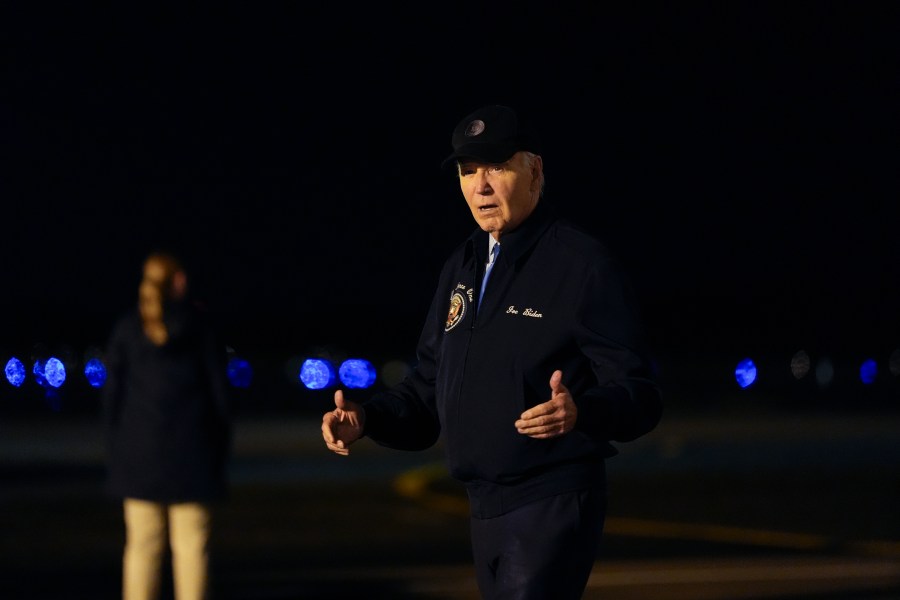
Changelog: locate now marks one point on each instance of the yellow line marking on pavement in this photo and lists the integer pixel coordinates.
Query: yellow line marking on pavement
(876, 548)
(609, 575)
(715, 533)
(415, 485)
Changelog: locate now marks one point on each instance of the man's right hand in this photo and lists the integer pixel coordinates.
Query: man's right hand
(344, 425)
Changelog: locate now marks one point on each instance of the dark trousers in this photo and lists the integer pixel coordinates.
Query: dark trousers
(542, 551)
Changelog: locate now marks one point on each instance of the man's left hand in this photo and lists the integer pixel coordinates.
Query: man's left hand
(555, 417)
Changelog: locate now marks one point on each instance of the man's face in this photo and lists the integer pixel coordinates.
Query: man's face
(501, 196)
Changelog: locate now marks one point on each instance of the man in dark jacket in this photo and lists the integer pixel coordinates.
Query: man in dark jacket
(529, 383)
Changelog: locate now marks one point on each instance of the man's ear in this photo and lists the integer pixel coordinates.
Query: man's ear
(537, 172)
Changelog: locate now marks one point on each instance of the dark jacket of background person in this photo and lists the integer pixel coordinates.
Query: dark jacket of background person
(556, 300)
(166, 410)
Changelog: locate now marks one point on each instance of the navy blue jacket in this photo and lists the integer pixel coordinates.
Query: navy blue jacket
(166, 411)
(555, 300)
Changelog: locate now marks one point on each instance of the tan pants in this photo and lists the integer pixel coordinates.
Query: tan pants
(146, 524)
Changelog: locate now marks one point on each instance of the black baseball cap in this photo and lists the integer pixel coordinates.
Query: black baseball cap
(492, 134)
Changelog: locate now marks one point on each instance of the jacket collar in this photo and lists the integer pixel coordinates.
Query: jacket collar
(515, 243)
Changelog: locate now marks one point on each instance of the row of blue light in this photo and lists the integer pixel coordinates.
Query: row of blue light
(314, 374)
(48, 373)
(746, 372)
(51, 372)
(320, 373)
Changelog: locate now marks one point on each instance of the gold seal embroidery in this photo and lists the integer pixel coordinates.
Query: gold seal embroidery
(457, 311)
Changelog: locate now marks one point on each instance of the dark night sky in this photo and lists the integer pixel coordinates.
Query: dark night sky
(739, 158)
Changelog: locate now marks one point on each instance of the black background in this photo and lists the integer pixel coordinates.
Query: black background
(739, 158)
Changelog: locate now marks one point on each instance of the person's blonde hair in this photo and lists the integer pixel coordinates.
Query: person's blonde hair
(164, 279)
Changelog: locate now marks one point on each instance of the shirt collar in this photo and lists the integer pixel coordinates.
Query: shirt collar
(491, 243)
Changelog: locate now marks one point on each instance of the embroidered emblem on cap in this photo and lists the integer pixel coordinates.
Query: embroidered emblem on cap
(457, 311)
(474, 128)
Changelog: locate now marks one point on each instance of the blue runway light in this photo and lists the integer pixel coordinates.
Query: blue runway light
(95, 372)
(316, 373)
(55, 372)
(38, 372)
(745, 373)
(240, 374)
(357, 373)
(15, 372)
(868, 371)
(50, 372)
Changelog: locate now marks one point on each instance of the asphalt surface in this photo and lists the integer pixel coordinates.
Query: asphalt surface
(748, 505)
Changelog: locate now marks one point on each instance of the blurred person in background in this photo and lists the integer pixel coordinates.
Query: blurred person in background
(166, 411)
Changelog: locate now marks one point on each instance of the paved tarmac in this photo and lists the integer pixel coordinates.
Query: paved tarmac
(728, 506)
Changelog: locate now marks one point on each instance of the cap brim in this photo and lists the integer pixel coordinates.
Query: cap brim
(489, 153)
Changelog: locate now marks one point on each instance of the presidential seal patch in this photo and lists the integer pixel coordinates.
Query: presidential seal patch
(457, 311)
(475, 128)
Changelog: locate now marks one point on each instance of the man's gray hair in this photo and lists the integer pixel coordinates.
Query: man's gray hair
(529, 160)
